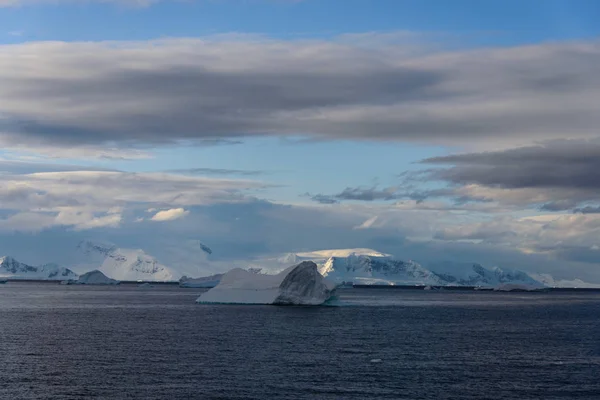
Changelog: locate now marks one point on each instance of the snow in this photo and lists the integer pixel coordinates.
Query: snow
(126, 264)
(204, 282)
(96, 278)
(549, 281)
(298, 285)
(13, 269)
(377, 270)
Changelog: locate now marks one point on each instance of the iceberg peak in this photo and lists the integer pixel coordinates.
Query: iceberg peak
(300, 284)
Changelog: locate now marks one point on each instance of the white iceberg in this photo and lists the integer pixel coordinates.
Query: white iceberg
(204, 282)
(96, 278)
(297, 285)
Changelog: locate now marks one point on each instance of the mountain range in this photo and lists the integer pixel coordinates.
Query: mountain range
(359, 266)
(125, 264)
(13, 269)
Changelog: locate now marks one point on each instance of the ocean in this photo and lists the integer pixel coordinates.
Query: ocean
(128, 342)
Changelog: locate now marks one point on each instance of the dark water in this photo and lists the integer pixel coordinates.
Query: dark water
(72, 342)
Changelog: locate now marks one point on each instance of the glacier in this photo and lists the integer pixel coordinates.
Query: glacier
(300, 284)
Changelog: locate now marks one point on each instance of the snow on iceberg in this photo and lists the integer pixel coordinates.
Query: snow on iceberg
(96, 278)
(204, 282)
(297, 285)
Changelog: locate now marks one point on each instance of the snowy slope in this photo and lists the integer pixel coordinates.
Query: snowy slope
(367, 266)
(126, 264)
(368, 269)
(549, 281)
(13, 269)
(477, 275)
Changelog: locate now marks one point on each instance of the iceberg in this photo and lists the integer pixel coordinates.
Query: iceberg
(204, 282)
(516, 287)
(96, 278)
(300, 284)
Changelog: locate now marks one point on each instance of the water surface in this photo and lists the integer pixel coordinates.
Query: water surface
(127, 342)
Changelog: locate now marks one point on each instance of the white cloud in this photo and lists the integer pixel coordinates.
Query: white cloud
(170, 215)
(95, 199)
(368, 223)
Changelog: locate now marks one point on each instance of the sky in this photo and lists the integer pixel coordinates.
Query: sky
(443, 132)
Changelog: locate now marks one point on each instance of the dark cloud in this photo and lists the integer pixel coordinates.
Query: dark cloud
(562, 164)
(587, 210)
(556, 175)
(560, 205)
(323, 199)
(86, 94)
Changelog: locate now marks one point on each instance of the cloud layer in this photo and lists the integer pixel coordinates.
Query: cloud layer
(157, 92)
(89, 199)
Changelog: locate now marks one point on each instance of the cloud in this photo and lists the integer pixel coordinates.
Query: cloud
(555, 175)
(117, 94)
(556, 236)
(93, 199)
(216, 171)
(170, 215)
(368, 223)
(322, 199)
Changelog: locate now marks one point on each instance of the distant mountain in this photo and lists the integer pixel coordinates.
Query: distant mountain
(549, 281)
(367, 266)
(368, 269)
(13, 269)
(480, 276)
(126, 264)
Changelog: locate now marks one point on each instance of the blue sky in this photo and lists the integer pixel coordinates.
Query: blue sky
(388, 124)
(501, 22)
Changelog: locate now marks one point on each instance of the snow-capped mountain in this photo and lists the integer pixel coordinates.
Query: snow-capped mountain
(13, 269)
(549, 281)
(125, 264)
(368, 269)
(367, 266)
(480, 276)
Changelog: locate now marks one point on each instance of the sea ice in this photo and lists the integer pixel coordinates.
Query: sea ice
(298, 285)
